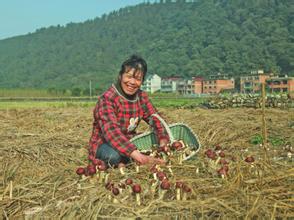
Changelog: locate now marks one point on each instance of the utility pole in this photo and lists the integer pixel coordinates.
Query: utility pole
(90, 87)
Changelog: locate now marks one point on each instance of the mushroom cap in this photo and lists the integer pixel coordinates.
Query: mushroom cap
(249, 159)
(223, 171)
(102, 166)
(210, 154)
(153, 169)
(80, 171)
(109, 185)
(221, 154)
(129, 181)
(161, 175)
(223, 161)
(136, 188)
(179, 184)
(115, 191)
(165, 184)
(96, 162)
(177, 145)
(91, 169)
(186, 188)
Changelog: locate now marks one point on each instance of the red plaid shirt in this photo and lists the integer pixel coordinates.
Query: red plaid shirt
(116, 118)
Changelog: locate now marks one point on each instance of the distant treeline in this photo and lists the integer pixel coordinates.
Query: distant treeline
(184, 38)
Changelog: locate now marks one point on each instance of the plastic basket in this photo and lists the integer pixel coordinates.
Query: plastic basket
(178, 131)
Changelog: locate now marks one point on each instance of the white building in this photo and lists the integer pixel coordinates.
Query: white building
(152, 83)
(169, 84)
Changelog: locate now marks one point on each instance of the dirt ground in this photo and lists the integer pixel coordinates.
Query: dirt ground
(40, 150)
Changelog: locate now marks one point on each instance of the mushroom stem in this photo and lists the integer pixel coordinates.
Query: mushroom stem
(178, 194)
(184, 196)
(101, 176)
(106, 177)
(138, 199)
(122, 170)
(161, 193)
(137, 168)
(10, 189)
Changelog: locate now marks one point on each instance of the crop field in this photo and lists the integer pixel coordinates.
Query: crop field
(42, 146)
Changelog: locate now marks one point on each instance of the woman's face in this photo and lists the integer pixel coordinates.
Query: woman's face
(131, 81)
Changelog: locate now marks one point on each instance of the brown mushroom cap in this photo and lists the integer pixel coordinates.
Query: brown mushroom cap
(161, 175)
(165, 184)
(80, 171)
(179, 184)
(249, 159)
(177, 145)
(109, 185)
(186, 188)
(91, 169)
(223, 171)
(136, 188)
(102, 166)
(223, 161)
(129, 181)
(221, 154)
(115, 191)
(210, 154)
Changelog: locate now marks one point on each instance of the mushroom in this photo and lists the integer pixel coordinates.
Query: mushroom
(161, 175)
(137, 167)
(91, 169)
(164, 186)
(223, 171)
(221, 154)
(223, 161)
(102, 168)
(179, 185)
(129, 183)
(177, 145)
(115, 192)
(81, 172)
(154, 170)
(186, 190)
(249, 159)
(137, 190)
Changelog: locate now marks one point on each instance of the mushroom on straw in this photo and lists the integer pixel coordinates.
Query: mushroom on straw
(102, 168)
(223, 171)
(161, 175)
(137, 190)
(81, 172)
(179, 185)
(164, 186)
(129, 183)
(186, 190)
(115, 192)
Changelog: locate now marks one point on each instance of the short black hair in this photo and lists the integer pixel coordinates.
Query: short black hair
(134, 62)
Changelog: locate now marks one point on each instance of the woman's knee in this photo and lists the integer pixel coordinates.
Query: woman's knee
(108, 155)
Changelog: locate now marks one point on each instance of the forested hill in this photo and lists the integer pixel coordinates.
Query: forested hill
(176, 38)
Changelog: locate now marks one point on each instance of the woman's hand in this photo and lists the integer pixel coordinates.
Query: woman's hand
(144, 159)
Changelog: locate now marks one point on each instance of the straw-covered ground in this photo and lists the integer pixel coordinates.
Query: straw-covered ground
(40, 150)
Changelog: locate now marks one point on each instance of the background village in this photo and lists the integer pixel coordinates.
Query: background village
(220, 83)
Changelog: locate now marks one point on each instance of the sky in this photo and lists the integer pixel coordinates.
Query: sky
(19, 17)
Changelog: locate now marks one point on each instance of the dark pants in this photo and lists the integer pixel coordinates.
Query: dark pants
(110, 156)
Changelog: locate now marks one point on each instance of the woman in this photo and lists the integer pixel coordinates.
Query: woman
(117, 114)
